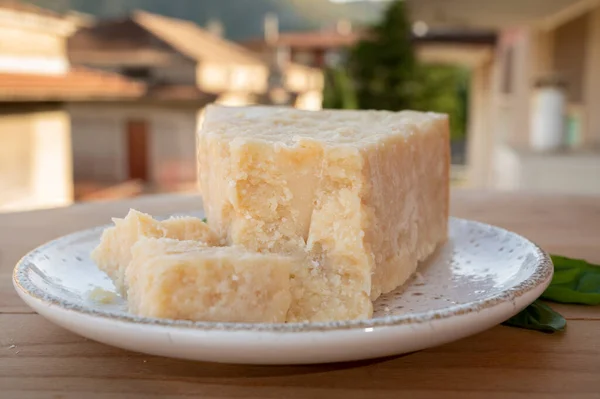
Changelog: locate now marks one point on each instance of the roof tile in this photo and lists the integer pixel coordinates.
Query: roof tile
(77, 84)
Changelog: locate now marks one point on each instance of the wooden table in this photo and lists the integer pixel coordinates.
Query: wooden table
(40, 360)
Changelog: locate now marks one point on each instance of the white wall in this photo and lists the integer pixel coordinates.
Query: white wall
(31, 49)
(591, 81)
(218, 78)
(100, 142)
(480, 140)
(35, 160)
(551, 173)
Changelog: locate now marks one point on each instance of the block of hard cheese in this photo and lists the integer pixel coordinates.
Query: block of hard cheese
(363, 193)
(113, 253)
(184, 280)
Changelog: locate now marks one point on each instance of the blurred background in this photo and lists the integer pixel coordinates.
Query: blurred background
(101, 99)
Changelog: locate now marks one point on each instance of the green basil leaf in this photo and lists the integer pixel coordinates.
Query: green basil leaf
(568, 295)
(575, 281)
(562, 262)
(565, 276)
(204, 220)
(538, 316)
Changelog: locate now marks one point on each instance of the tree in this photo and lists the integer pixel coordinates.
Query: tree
(383, 64)
(443, 88)
(338, 92)
(387, 75)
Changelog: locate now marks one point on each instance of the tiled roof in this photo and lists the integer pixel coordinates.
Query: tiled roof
(76, 85)
(145, 31)
(175, 92)
(324, 39)
(310, 39)
(193, 41)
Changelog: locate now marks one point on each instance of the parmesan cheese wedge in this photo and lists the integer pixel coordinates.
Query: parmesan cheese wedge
(363, 195)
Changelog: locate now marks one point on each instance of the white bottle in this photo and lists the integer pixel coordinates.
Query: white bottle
(548, 122)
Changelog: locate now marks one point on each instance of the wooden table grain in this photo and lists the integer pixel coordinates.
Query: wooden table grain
(41, 360)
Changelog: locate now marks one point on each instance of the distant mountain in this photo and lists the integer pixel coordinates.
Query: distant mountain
(242, 19)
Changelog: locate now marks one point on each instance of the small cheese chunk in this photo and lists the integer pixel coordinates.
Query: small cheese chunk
(188, 228)
(183, 280)
(363, 193)
(102, 296)
(113, 253)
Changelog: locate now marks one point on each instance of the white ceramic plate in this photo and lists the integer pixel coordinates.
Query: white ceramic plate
(480, 278)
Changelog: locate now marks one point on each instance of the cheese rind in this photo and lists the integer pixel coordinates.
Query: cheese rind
(363, 194)
(184, 280)
(113, 253)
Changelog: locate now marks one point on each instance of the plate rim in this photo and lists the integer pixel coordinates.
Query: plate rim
(541, 275)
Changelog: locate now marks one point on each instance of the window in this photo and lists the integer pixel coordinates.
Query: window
(137, 73)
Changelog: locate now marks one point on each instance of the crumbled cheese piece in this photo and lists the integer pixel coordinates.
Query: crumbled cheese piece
(113, 253)
(184, 280)
(100, 295)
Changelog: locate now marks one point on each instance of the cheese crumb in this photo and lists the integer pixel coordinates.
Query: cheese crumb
(102, 296)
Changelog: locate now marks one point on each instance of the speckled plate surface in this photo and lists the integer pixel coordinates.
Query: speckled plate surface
(482, 276)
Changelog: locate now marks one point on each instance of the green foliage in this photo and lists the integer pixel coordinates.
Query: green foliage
(538, 316)
(388, 75)
(575, 281)
(444, 88)
(384, 65)
(339, 92)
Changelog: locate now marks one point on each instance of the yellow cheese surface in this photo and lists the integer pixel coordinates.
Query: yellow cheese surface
(363, 195)
(113, 253)
(184, 280)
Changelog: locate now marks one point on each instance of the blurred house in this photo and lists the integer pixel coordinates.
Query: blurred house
(36, 80)
(329, 47)
(168, 52)
(548, 54)
(106, 109)
(320, 48)
(185, 67)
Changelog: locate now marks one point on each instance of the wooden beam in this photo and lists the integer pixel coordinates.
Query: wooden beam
(470, 56)
(591, 82)
(495, 14)
(567, 14)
